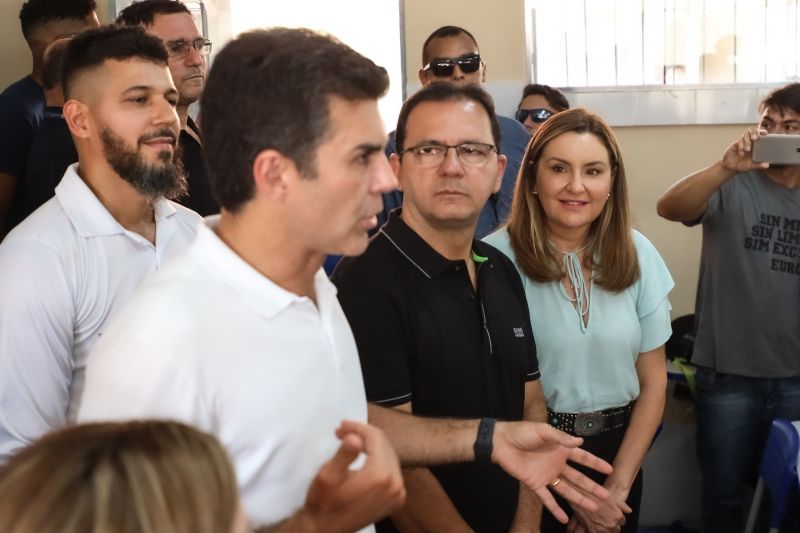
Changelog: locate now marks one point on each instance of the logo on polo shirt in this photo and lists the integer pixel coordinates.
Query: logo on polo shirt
(519, 333)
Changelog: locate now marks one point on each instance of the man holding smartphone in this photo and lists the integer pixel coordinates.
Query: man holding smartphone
(747, 346)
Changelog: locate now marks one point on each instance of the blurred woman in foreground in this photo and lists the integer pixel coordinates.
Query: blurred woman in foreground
(135, 477)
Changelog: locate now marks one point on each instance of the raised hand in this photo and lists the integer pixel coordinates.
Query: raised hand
(537, 454)
(341, 499)
(739, 155)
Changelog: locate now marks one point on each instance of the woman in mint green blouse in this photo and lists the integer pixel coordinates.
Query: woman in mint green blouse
(597, 293)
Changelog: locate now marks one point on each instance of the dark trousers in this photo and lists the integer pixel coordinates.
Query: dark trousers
(604, 446)
(734, 416)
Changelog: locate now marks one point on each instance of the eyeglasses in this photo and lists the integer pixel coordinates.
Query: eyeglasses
(468, 154)
(444, 66)
(537, 115)
(180, 49)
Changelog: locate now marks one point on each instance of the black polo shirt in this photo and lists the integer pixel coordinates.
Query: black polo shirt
(425, 336)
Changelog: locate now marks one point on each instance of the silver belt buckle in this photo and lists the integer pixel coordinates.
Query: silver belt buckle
(588, 424)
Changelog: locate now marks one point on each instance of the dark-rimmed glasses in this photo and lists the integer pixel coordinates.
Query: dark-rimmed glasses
(537, 115)
(180, 49)
(468, 154)
(444, 66)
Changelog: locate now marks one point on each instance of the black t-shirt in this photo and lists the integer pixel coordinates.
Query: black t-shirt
(200, 199)
(51, 152)
(21, 108)
(425, 336)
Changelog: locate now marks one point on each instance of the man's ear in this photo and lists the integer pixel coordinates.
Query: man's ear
(502, 161)
(395, 163)
(423, 77)
(76, 114)
(483, 70)
(271, 174)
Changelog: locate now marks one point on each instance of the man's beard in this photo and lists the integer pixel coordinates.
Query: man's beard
(152, 181)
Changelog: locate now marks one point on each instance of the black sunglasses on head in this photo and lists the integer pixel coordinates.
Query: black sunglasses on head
(537, 115)
(444, 66)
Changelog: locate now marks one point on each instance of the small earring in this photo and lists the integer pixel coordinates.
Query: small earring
(535, 192)
(609, 195)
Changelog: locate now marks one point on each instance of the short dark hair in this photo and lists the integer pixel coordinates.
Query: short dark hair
(553, 96)
(444, 31)
(270, 89)
(91, 48)
(782, 99)
(53, 65)
(441, 91)
(34, 13)
(143, 13)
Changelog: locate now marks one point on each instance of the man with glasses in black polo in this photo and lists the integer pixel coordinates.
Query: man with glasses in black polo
(451, 54)
(440, 318)
(172, 22)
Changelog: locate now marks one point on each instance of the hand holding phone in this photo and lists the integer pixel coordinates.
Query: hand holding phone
(782, 149)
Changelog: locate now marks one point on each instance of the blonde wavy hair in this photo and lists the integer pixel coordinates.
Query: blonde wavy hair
(135, 477)
(611, 252)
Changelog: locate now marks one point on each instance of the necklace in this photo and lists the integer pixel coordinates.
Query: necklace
(574, 270)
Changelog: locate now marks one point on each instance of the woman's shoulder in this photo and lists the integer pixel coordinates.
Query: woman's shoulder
(500, 240)
(644, 248)
(651, 264)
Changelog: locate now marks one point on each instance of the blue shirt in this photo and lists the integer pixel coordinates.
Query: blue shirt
(21, 110)
(595, 369)
(513, 141)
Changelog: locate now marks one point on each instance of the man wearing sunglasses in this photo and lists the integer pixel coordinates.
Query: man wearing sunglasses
(171, 21)
(539, 102)
(451, 54)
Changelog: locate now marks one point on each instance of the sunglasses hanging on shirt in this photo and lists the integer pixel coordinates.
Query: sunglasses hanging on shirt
(537, 115)
(444, 66)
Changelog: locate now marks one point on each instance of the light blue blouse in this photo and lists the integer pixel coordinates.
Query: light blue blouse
(594, 369)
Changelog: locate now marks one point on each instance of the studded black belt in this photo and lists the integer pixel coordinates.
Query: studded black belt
(589, 424)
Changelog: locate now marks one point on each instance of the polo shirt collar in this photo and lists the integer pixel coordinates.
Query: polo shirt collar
(88, 214)
(258, 291)
(418, 252)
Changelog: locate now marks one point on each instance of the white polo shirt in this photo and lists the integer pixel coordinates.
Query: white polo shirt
(212, 342)
(64, 272)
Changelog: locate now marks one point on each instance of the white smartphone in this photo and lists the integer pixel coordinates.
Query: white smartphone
(779, 149)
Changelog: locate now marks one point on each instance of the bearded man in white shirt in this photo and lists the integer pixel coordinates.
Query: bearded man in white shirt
(70, 266)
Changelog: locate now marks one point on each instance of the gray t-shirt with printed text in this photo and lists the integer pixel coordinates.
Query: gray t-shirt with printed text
(748, 295)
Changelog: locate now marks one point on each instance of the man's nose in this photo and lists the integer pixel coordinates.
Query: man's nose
(384, 179)
(165, 113)
(451, 164)
(195, 56)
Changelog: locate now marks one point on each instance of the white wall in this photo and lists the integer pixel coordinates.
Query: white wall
(370, 27)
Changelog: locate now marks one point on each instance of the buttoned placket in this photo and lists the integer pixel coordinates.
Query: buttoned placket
(474, 292)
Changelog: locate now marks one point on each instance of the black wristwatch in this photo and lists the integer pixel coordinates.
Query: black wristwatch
(483, 442)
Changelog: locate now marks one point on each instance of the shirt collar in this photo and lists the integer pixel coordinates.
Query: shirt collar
(257, 290)
(88, 214)
(418, 252)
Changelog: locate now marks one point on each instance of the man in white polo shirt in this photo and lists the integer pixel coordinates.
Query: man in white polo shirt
(70, 266)
(243, 335)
